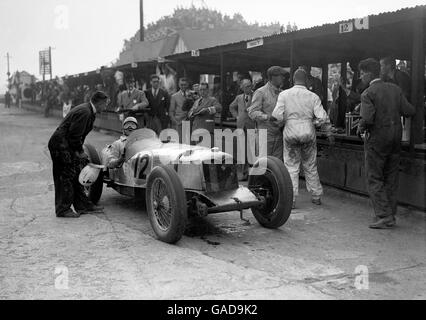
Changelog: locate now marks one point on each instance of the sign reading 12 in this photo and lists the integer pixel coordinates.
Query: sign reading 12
(357, 24)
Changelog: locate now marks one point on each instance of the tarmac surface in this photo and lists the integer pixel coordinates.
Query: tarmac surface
(325, 252)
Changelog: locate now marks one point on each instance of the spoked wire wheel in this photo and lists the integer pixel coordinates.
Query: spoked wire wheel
(166, 204)
(161, 204)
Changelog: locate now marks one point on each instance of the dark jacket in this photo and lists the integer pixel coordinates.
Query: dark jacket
(73, 130)
(345, 103)
(382, 106)
(402, 80)
(7, 98)
(315, 85)
(160, 105)
(204, 121)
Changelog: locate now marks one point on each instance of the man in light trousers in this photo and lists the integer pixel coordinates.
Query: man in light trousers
(300, 108)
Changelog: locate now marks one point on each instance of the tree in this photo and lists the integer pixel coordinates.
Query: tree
(201, 18)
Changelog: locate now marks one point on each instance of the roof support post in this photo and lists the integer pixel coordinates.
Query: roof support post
(344, 71)
(417, 83)
(222, 83)
(325, 85)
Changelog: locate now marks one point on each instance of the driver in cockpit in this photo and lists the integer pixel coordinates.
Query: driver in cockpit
(116, 151)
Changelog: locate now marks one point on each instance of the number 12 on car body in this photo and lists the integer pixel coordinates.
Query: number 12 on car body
(141, 166)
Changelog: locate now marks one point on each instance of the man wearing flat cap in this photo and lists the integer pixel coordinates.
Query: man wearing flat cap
(263, 104)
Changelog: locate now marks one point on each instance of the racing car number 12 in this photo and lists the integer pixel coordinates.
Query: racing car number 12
(141, 166)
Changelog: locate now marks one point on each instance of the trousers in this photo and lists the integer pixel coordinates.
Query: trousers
(275, 144)
(382, 174)
(68, 190)
(305, 155)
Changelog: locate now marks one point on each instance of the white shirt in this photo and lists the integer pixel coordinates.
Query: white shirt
(375, 80)
(155, 92)
(329, 95)
(93, 108)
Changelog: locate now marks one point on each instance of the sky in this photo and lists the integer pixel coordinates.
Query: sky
(86, 34)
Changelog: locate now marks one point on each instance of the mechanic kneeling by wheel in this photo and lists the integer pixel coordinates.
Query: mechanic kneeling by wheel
(66, 150)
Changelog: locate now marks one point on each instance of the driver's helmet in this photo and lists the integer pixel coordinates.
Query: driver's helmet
(89, 175)
(130, 122)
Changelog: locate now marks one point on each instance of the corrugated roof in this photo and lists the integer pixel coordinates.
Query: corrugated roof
(201, 39)
(314, 28)
(193, 39)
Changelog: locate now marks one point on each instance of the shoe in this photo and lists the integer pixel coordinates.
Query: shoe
(68, 214)
(92, 209)
(317, 201)
(384, 223)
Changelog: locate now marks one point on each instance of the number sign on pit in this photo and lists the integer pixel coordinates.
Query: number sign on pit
(255, 43)
(357, 24)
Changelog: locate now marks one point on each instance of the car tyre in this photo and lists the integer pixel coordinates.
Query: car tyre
(166, 204)
(275, 186)
(94, 192)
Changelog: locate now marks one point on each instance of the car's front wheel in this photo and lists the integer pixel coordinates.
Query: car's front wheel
(270, 180)
(166, 204)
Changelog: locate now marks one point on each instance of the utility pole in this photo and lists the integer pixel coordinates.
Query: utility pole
(50, 60)
(8, 65)
(142, 28)
(8, 69)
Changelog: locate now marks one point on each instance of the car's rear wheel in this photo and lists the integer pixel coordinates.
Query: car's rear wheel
(166, 204)
(270, 180)
(94, 192)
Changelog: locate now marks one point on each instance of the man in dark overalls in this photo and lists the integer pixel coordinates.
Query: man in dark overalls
(66, 150)
(382, 106)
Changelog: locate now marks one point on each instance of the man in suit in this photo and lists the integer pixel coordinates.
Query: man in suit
(204, 110)
(176, 112)
(389, 73)
(159, 103)
(133, 102)
(238, 110)
(313, 84)
(382, 105)
(66, 150)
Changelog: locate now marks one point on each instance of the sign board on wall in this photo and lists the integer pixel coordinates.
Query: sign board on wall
(255, 43)
(357, 24)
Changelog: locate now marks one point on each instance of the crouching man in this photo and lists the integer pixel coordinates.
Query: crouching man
(116, 151)
(68, 157)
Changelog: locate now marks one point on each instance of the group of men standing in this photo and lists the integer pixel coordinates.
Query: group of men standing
(289, 117)
(155, 109)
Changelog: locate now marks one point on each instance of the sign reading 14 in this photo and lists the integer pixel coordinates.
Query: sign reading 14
(357, 24)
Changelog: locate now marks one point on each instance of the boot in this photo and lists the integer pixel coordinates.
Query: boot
(91, 210)
(69, 214)
(384, 223)
(317, 201)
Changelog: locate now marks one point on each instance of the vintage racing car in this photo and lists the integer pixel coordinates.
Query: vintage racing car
(178, 181)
